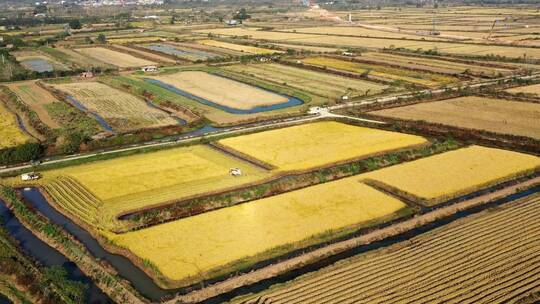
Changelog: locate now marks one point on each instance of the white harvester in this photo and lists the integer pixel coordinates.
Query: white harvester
(30, 176)
(235, 172)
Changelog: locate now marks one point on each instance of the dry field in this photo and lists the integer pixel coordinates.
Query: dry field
(379, 43)
(531, 89)
(140, 181)
(135, 40)
(316, 49)
(36, 98)
(10, 133)
(318, 144)
(490, 258)
(149, 55)
(194, 248)
(322, 84)
(357, 31)
(438, 178)
(494, 115)
(82, 60)
(220, 90)
(388, 73)
(238, 47)
(122, 111)
(433, 65)
(118, 59)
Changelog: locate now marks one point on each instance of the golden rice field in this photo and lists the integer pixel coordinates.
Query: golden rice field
(530, 89)
(322, 84)
(480, 113)
(318, 144)
(490, 258)
(444, 176)
(221, 90)
(388, 73)
(194, 248)
(139, 181)
(10, 133)
(239, 47)
(356, 31)
(134, 40)
(122, 111)
(115, 58)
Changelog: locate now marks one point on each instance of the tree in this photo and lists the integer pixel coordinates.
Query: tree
(101, 39)
(241, 14)
(40, 9)
(75, 24)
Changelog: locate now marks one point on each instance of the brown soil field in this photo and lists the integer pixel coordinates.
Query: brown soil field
(531, 89)
(36, 98)
(493, 115)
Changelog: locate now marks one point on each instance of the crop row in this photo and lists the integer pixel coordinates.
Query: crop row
(490, 259)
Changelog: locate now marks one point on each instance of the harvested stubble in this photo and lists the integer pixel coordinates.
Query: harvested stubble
(480, 113)
(239, 47)
(322, 84)
(220, 90)
(36, 98)
(114, 58)
(531, 89)
(121, 110)
(489, 258)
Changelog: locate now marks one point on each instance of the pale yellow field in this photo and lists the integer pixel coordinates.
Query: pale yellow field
(531, 89)
(356, 31)
(189, 247)
(239, 47)
(10, 134)
(446, 175)
(316, 144)
(379, 43)
(118, 59)
(221, 90)
(121, 110)
(138, 181)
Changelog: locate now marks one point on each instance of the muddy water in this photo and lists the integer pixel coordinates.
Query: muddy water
(48, 256)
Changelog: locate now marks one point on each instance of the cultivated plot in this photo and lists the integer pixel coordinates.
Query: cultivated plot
(322, 84)
(480, 113)
(115, 58)
(121, 111)
(10, 133)
(489, 258)
(318, 144)
(381, 71)
(140, 181)
(196, 247)
(221, 90)
(180, 52)
(238, 47)
(37, 99)
(531, 89)
(439, 178)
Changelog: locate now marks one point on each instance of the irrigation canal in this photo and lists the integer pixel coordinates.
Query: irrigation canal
(144, 284)
(48, 256)
(4, 299)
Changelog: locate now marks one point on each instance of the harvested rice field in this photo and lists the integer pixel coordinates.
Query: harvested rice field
(441, 177)
(115, 58)
(531, 89)
(194, 248)
(10, 133)
(312, 145)
(493, 115)
(381, 71)
(379, 43)
(180, 52)
(121, 111)
(221, 90)
(488, 258)
(434, 65)
(37, 98)
(238, 47)
(144, 54)
(130, 183)
(357, 31)
(322, 84)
